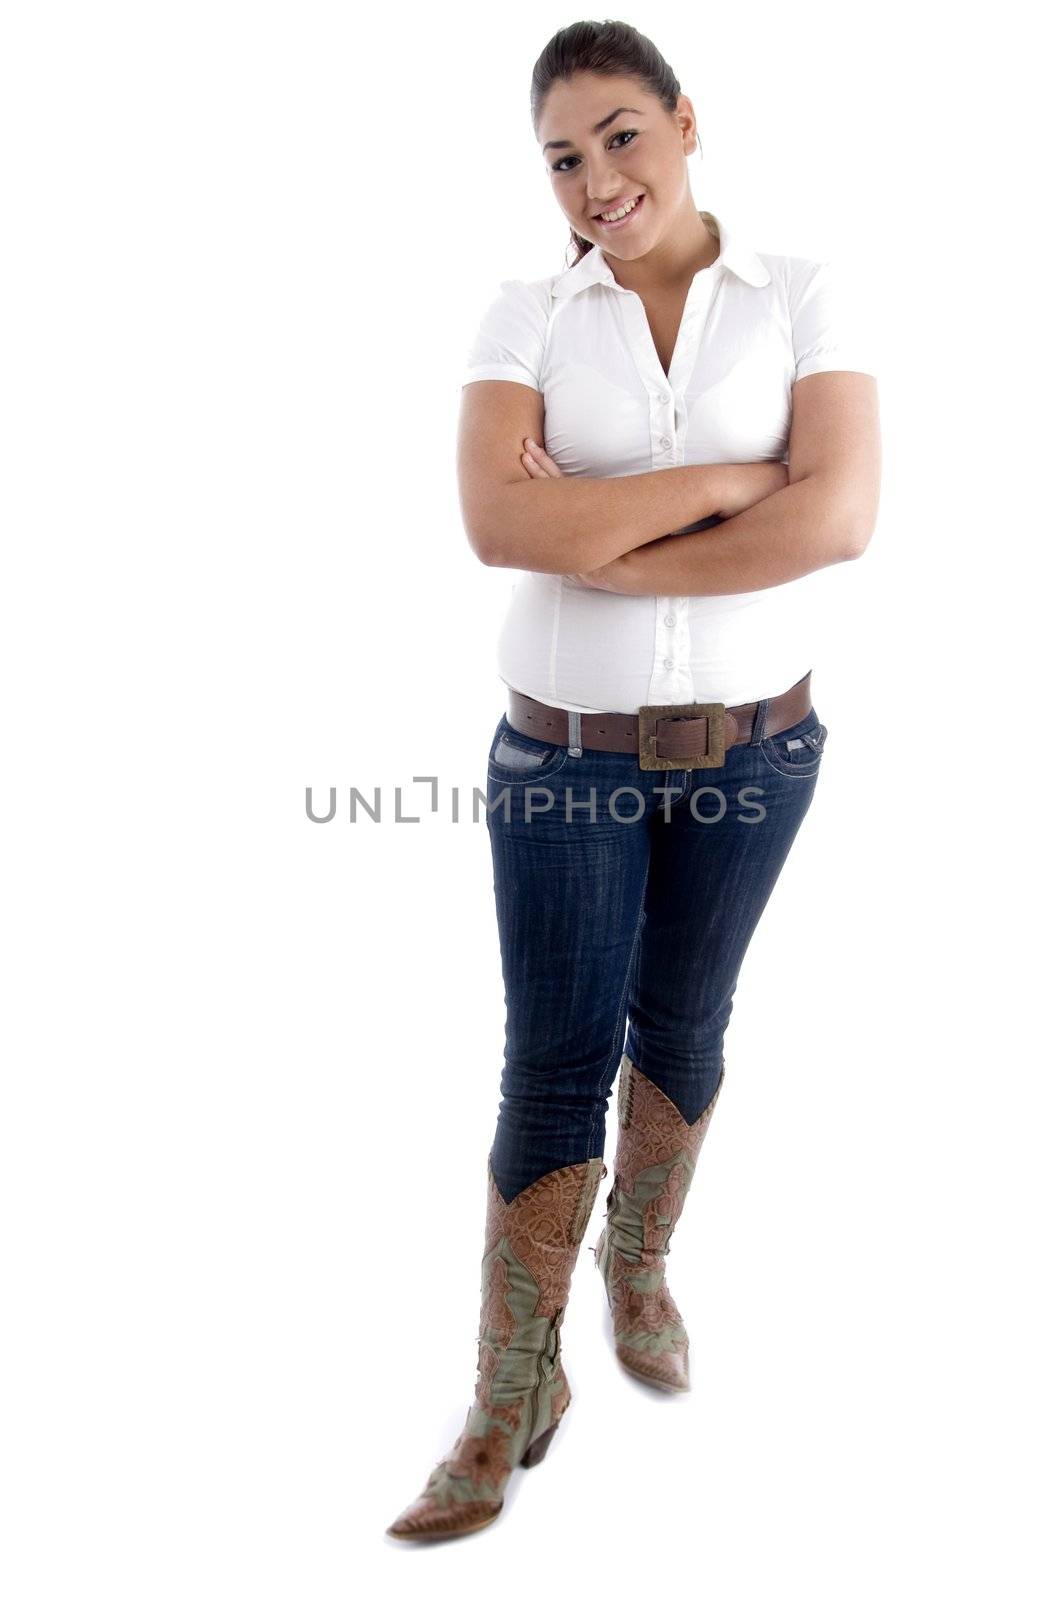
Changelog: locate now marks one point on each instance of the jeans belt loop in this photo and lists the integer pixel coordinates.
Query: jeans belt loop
(575, 747)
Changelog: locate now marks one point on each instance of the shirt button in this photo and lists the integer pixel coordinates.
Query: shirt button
(665, 443)
(668, 662)
(664, 398)
(669, 620)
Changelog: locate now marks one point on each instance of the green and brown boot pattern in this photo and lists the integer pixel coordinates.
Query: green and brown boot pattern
(656, 1154)
(530, 1250)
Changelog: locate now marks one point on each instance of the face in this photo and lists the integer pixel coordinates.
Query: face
(608, 142)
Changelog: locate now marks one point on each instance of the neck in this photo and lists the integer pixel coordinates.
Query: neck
(689, 244)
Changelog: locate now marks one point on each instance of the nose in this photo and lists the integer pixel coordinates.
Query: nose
(602, 188)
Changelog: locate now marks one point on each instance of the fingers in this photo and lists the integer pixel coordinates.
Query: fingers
(535, 456)
(529, 461)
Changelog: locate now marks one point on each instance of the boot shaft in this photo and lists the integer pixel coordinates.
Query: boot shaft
(657, 1150)
(531, 1245)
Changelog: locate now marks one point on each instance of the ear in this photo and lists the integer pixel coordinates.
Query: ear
(688, 123)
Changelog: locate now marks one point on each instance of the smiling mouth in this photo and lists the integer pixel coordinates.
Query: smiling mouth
(601, 215)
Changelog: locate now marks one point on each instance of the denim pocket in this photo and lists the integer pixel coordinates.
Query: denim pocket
(517, 757)
(795, 752)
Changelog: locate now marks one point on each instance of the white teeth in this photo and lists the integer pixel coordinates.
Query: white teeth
(615, 216)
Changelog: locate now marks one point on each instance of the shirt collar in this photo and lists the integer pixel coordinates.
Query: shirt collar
(594, 268)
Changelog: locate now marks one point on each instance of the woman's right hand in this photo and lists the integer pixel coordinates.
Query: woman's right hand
(747, 483)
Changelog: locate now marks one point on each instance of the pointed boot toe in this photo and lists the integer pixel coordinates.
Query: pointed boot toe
(666, 1370)
(425, 1518)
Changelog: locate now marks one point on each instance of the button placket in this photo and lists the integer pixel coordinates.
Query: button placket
(692, 324)
(671, 678)
(681, 649)
(659, 390)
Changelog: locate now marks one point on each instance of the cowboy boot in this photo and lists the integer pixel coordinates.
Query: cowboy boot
(655, 1162)
(530, 1248)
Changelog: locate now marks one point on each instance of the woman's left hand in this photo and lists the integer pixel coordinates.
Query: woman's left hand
(538, 464)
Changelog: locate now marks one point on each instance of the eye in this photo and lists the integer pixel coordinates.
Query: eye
(627, 134)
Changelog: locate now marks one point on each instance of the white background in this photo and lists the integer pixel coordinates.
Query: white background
(251, 1063)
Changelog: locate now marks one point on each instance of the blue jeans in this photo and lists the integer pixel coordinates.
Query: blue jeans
(638, 914)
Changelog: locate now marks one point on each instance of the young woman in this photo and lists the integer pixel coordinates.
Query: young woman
(622, 432)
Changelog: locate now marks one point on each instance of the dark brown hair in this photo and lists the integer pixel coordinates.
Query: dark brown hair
(612, 49)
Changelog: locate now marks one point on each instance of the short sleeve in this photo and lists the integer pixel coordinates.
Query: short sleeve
(830, 326)
(510, 341)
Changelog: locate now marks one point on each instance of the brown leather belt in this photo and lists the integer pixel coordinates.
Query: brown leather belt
(698, 734)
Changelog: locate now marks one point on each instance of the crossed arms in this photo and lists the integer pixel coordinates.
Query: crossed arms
(623, 534)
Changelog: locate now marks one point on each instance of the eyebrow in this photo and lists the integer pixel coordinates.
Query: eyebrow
(567, 144)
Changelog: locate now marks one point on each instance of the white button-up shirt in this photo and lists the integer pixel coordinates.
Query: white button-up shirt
(751, 327)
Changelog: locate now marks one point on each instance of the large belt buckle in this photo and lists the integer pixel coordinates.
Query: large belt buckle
(716, 731)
